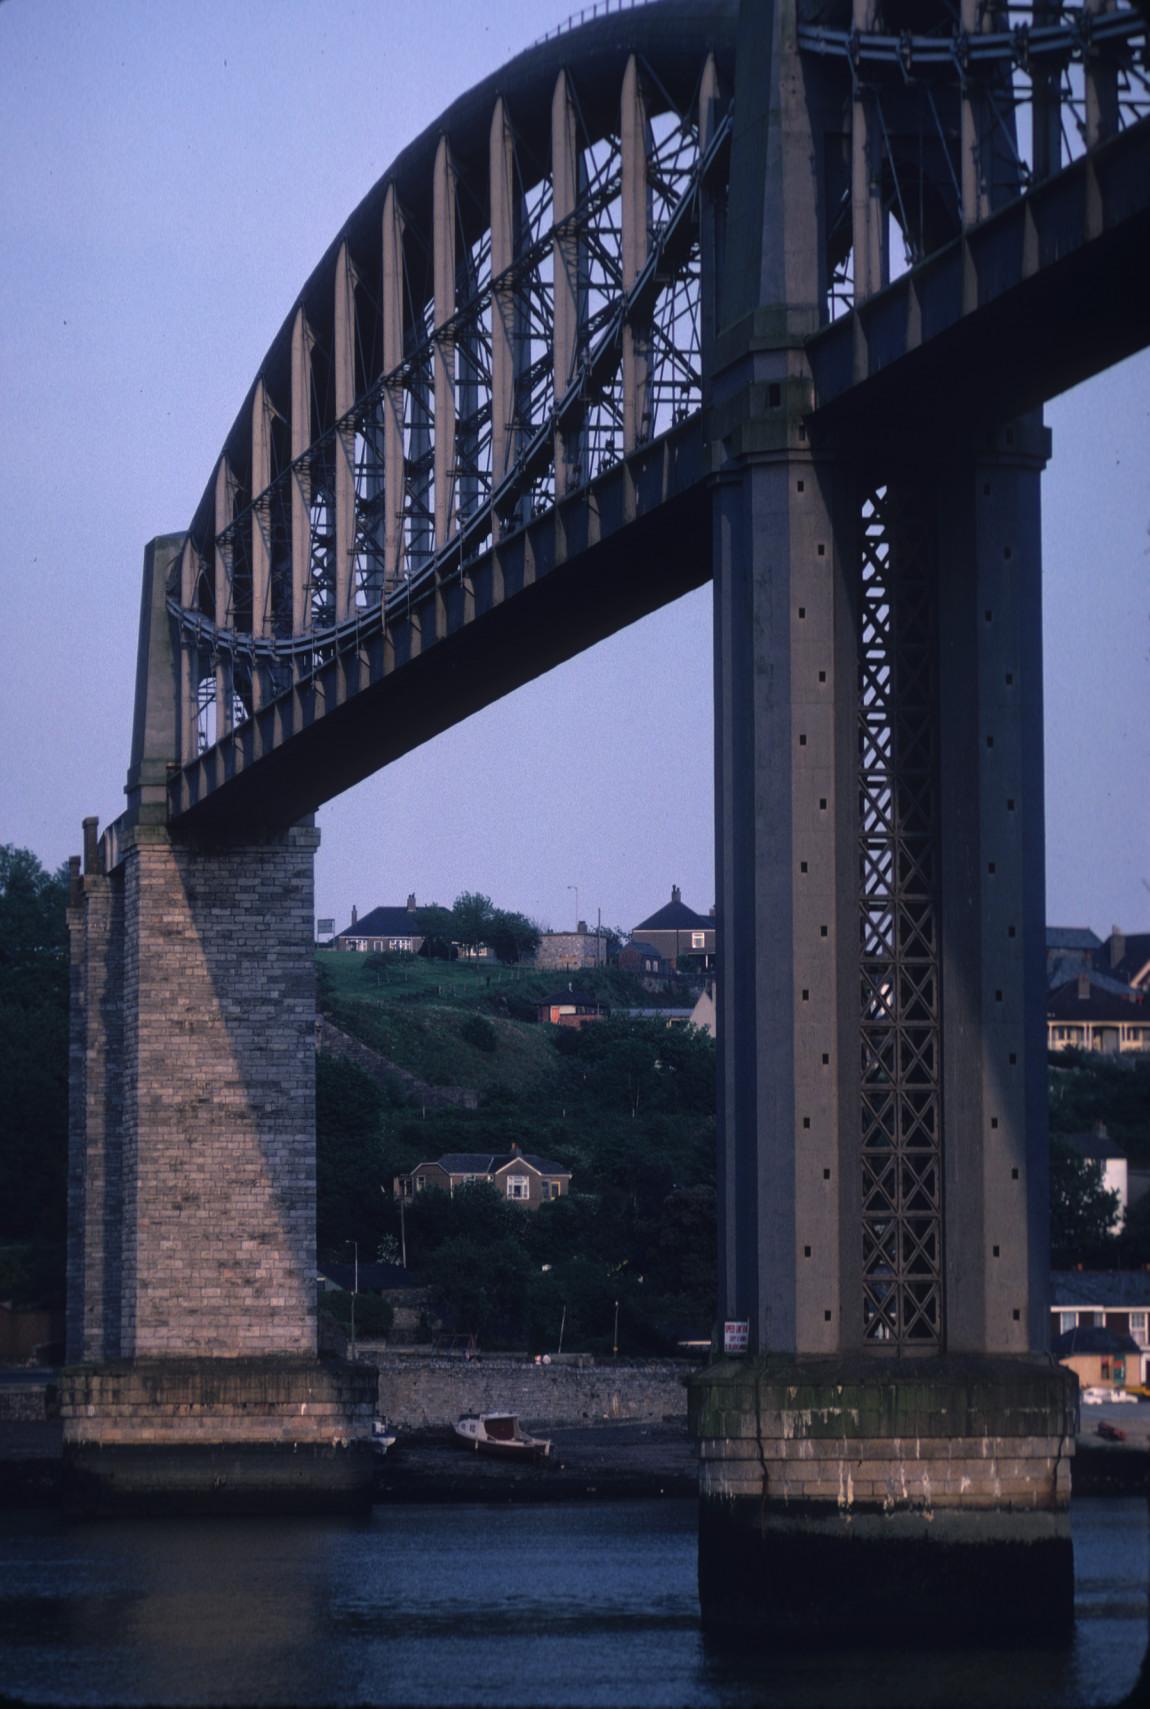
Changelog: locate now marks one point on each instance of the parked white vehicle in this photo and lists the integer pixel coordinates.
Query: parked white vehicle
(1094, 1397)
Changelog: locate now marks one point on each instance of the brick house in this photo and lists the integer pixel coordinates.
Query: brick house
(645, 962)
(568, 1009)
(676, 931)
(523, 1177)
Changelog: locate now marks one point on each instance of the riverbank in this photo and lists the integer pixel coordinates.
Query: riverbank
(591, 1462)
(598, 1461)
(611, 1459)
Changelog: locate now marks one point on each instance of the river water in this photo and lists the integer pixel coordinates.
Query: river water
(442, 1605)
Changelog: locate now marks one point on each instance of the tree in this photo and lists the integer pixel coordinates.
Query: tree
(350, 1163)
(436, 926)
(34, 1065)
(472, 915)
(1082, 1210)
(513, 937)
(480, 1287)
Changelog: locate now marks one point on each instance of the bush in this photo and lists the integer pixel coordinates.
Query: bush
(373, 1314)
(476, 1031)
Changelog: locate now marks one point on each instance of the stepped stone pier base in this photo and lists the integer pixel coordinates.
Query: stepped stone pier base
(846, 1501)
(218, 1435)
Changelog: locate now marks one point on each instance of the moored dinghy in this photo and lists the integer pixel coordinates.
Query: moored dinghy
(500, 1434)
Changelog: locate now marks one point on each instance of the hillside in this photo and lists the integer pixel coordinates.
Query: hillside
(626, 1103)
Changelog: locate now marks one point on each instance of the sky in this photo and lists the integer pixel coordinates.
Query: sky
(172, 170)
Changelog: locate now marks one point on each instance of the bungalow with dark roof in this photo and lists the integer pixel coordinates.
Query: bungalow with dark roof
(383, 930)
(1098, 1318)
(521, 1176)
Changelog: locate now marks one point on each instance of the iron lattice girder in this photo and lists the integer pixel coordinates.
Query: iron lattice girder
(599, 359)
(900, 1028)
(1082, 33)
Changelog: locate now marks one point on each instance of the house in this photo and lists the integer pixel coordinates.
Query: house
(676, 932)
(645, 962)
(1070, 950)
(569, 1009)
(410, 1300)
(1126, 956)
(383, 930)
(703, 1014)
(1099, 1358)
(1094, 1011)
(569, 951)
(1089, 1305)
(1098, 1147)
(667, 1016)
(521, 1176)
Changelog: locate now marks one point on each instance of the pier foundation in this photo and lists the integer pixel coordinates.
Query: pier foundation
(845, 1502)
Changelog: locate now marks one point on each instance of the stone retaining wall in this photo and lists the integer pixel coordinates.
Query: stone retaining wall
(23, 1403)
(432, 1392)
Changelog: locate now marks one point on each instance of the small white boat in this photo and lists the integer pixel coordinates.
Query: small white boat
(382, 1435)
(500, 1434)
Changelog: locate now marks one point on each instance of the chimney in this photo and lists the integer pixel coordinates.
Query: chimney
(1083, 987)
(411, 903)
(75, 882)
(581, 926)
(354, 916)
(1117, 945)
(515, 1151)
(675, 896)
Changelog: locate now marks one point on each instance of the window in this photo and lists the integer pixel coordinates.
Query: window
(698, 940)
(1067, 1320)
(553, 1190)
(1138, 1328)
(518, 1187)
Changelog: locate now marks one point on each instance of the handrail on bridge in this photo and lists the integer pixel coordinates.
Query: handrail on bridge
(599, 9)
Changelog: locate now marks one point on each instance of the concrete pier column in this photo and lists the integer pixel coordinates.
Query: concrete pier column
(888, 1459)
(896, 1437)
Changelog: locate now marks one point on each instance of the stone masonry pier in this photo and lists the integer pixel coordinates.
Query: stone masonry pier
(193, 1372)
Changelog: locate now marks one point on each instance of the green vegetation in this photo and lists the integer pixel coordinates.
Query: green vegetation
(1086, 1089)
(627, 1104)
(1082, 1210)
(33, 1077)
